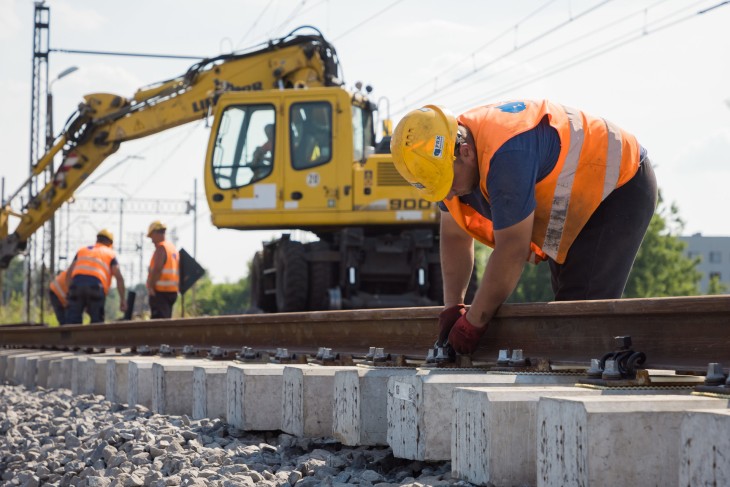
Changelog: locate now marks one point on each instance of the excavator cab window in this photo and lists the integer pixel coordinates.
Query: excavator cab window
(244, 146)
(310, 133)
(363, 135)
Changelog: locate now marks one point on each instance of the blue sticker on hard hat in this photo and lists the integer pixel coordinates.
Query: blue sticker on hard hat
(514, 107)
(438, 147)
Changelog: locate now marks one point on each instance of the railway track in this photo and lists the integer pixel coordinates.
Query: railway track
(683, 333)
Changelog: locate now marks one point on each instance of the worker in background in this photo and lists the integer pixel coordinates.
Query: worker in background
(535, 181)
(163, 280)
(89, 277)
(58, 296)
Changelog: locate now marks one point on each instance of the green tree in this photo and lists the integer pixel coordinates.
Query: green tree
(13, 309)
(661, 267)
(13, 294)
(715, 286)
(534, 285)
(218, 299)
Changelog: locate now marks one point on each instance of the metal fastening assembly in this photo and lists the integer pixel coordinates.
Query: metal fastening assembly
(503, 357)
(189, 351)
(248, 354)
(610, 370)
(595, 371)
(518, 359)
(145, 350)
(715, 375)
(216, 353)
(625, 360)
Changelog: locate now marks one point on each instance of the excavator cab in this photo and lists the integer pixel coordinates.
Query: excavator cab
(306, 159)
(293, 158)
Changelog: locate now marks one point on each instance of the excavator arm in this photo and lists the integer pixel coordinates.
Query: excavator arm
(103, 121)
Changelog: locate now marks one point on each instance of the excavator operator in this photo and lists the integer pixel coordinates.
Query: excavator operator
(535, 181)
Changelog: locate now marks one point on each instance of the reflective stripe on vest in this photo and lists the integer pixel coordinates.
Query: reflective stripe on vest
(595, 158)
(169, 280)
(95, 261)
(59, 288)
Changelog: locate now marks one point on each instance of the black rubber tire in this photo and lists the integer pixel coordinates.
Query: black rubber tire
(291, 277)
(320, 279)
(260, 300)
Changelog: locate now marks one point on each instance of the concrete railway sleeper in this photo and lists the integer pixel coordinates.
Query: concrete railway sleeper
(495, 427)
(553, 387)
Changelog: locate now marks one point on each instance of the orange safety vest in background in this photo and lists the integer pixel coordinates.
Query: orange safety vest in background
(169, 281)
(95, 261)
(595, 158)
(59, 288)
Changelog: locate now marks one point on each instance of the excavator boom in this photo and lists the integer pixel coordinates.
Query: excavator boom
(289, 148)
(104, 121)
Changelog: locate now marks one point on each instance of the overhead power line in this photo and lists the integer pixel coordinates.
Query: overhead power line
(529, 42)
(253, 26)
(592, 53)
(129, 54)
(357, 26)
(552, 49)
(481, 48)
(574, 59)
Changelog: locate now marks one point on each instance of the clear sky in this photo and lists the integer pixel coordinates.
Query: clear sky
(659, 69)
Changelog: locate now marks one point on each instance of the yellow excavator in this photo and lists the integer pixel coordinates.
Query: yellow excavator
(290, 148)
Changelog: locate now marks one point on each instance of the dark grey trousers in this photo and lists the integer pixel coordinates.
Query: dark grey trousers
(599, 261)
(89, 298)
(161, 304)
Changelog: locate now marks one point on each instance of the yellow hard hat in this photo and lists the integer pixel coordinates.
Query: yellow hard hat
(106, 234)
(423, 150)
(155, 226)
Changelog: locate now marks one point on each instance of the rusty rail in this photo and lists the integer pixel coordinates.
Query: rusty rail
(679, 333)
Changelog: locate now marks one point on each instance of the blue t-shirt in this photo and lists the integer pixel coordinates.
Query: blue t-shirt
(515, 168)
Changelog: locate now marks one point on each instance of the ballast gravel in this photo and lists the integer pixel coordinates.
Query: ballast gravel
(50, 437)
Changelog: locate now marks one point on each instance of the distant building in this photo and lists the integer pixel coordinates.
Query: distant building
(715, 254)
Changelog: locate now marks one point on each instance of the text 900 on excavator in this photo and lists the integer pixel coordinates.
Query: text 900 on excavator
(290, 148)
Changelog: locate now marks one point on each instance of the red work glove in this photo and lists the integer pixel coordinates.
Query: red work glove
(464, 336)
(447, 319)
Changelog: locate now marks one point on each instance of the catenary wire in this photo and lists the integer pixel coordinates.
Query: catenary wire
(587, 55)
(531, 41)
(481, 48)
(552, 50)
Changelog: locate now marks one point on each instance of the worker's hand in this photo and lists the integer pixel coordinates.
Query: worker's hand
(123, 306)
(447, 319)
(464, 336)
(150, 290)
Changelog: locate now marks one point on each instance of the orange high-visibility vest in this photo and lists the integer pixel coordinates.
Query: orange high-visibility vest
(59, 288)
(95, 261)
(595, 158)
(169, 281)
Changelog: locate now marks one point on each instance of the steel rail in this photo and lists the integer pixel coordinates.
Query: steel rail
(678, 333)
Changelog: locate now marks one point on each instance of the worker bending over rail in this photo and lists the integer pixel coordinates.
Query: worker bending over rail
(535, 181)
(89, 277)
